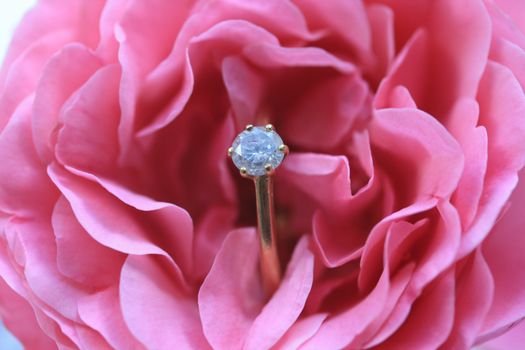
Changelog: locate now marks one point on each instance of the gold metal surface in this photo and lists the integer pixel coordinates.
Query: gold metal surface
(270, 267)
(284, 149)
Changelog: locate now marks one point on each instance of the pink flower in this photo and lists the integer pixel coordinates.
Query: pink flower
(400, 209)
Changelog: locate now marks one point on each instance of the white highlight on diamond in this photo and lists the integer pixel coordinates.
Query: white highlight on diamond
(254, 149)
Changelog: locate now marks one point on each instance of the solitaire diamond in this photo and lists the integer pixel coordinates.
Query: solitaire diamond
(257, 150)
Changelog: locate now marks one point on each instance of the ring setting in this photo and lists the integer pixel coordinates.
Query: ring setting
(257, 151)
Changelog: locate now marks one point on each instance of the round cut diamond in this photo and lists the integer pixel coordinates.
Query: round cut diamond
(256, 148)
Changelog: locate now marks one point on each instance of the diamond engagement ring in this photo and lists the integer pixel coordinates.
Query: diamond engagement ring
(257, 152)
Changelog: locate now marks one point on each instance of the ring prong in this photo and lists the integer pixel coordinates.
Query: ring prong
(243, 171)
(284, 149)
(230, 151)
(249, 127)
(269, 127)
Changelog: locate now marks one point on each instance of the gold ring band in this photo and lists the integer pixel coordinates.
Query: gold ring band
(270, 267)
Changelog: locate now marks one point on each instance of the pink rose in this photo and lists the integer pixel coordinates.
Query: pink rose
(400, 208)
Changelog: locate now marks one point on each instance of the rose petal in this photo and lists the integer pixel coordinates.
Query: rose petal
(119, 226)
(473, 140)
(474, 292)
(323, 177)
(331, 108)
(102, 311)
(57, 292)
(431, 61)
(339, 330)
(89, 339)
(434, 307)
(363, 152)
(341, 233)
(442, 247)
(407, 70)
(174, 175)
(298, 179)
(504, 103)
(23, 70)
(63, 74)
(24, 187)
(512, 339)
(11, 275)
(511, 56)
(231, 295)
(300, 331)
(502, 106)
(281, 18)
(322, 190)
(425, 143)
(166, 317)
(503, 27)
(43, 31)
(346, 20)
(374, 247)
(279, 311)
(79, 143)
(385, 324)
(245, 89)
(427, 266)
(110, 16)
(381, 19)
(12, 256)
(79, 256)
(55, 297)
(400, 97)
(145, 34)
(210, 233)
(513, 9)
(273, 56)
(216, 41)
(105, 225)
(233, 305)
(503, 250)
(461, 40)
(19, 318)
(356, 324)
